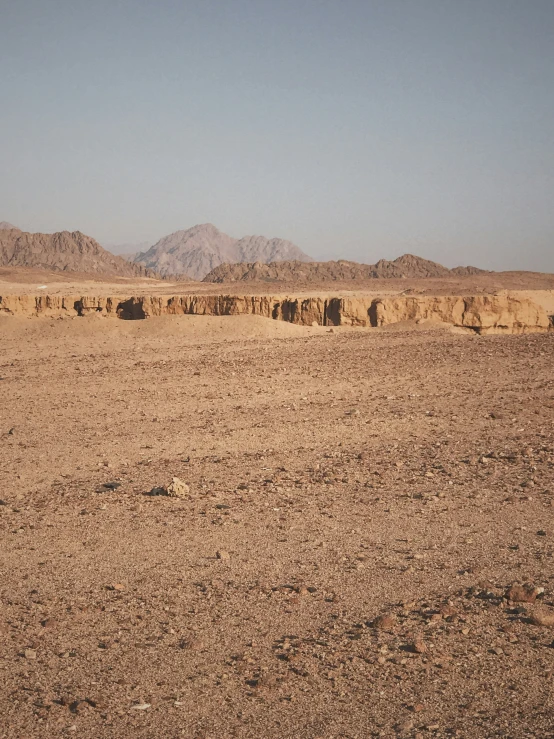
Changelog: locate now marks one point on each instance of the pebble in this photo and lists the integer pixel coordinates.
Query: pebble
(523, 593)
(177, 488)
(448, 611)
(384, 622)
(223, 555)
(30, 654)
(543, 618)
(49, 623)
(419, 646)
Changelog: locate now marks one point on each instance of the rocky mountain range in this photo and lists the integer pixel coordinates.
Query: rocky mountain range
(5, 226)
(406, 266)
(65, 250)
(200, 249)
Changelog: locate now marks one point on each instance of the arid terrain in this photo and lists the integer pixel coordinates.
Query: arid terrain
(357, 505)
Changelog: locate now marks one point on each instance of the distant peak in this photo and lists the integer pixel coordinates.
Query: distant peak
(5, 226)
(205, 228)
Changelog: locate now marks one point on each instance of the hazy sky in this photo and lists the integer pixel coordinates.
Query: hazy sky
(358, 129)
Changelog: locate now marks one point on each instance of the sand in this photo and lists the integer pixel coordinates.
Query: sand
(333, 478)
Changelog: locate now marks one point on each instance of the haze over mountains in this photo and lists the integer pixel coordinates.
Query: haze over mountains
(198, 250)
(65, 250)
(406, 266)
(203, 253)
(128, 250)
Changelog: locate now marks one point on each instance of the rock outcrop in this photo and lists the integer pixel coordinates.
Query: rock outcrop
(482, 314)
(406, 266)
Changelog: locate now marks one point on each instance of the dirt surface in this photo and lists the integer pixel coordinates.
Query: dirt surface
(358, 504)
(26, 281)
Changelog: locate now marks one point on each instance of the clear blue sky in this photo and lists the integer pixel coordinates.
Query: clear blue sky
(358, 129)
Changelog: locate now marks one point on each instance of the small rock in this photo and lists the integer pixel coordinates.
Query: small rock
(177, 488)
(49, 623)
(448, 612)
(30, 654)
(523, 593)
(419, 646)
(111, 485)
(140, 707)
(384, 622)
(196, 645)
(542, 618)
(223, 555)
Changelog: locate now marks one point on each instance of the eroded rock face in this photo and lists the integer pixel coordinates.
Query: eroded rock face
(481, 313)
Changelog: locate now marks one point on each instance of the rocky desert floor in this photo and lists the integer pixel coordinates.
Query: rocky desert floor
(30, 281)
(358, 507)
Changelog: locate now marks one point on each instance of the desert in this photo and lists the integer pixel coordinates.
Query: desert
(219, 523)
(277, 369)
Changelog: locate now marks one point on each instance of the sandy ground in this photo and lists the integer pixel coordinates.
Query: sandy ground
(25, 281)
(335, 477)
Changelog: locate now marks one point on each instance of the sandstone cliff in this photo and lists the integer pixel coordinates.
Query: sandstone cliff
(482, 314)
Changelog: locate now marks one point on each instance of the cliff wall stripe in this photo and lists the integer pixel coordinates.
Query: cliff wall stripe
(481, 313)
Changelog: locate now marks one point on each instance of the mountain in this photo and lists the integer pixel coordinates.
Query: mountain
(68, 251)
(200, 249)
(5, 226)
(406, 266)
